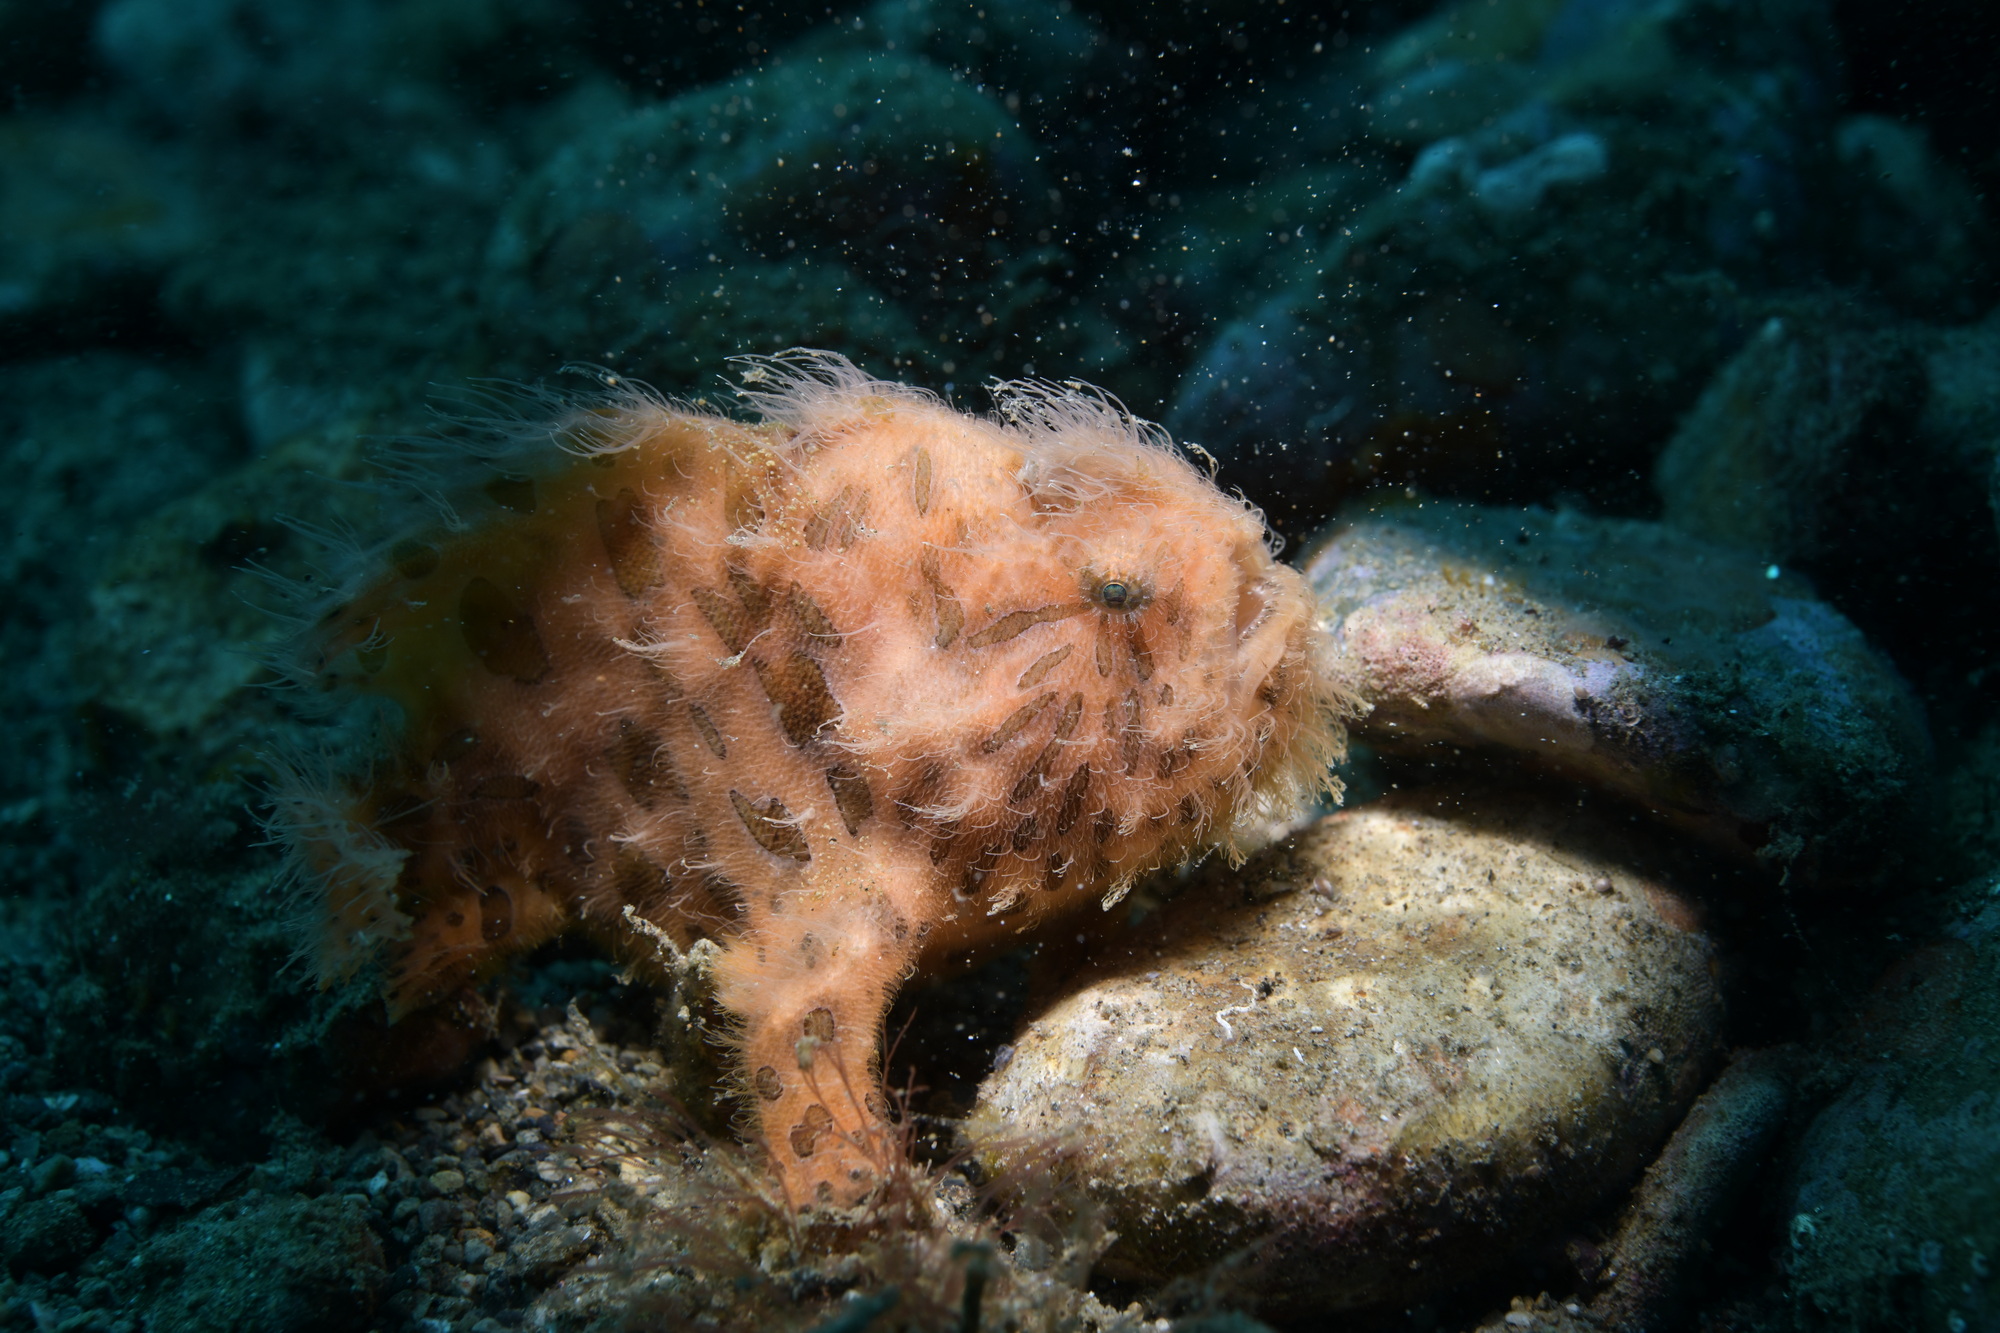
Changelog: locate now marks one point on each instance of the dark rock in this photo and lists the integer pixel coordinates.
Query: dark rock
(176, 1187)
(309, 1265)
(874, 194)
(1893, 1206)
(1862, 455)
(26, 1110)
(52, 1173)
(1657, 1260)
(438, 1215)
(545, 1251)
(47, 1235)
(1525, 311)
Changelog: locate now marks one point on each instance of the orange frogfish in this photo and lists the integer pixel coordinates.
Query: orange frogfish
(848, 690)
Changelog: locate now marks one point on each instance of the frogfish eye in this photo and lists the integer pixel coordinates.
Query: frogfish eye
(1114, 595)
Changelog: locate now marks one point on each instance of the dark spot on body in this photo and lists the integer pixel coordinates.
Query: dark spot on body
(731, 623)
(851, 796)
(727, 908)
(1271, 691)
(709, 735)
(1030, 781)
(979, 869)
(1016, 623)
(1125, 720)
(1016, 722)
(399, 813)
(638, 881)
(756, 598)
(1042, 666)
(577, 840)
(1142, 652)
(812, 617)
(505, 787)
(415, 559)
(945, 606)
(1025, 833)
(500, 634)
(496, 914)
(923, 791)
(806, 1134)
(629, 543)
(768, 823)
(640, 758)
(836, 523)
(798, 687)
(512, 493)
(1074, 792)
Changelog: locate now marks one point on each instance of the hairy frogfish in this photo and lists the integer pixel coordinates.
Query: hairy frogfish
(848, 690)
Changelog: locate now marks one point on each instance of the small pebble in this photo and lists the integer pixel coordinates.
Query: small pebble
(438, 1215)
(52, 1173)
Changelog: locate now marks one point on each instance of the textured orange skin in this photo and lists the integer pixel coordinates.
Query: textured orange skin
(848, 692)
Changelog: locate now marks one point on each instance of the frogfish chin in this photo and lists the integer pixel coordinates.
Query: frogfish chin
(847, 690)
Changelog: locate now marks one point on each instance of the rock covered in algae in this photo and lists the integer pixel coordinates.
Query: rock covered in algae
(1713, 689)
(871, 199)
(1811, 437)
(1863, 453)
(1890, 1212)
(1510, 315)
(1423, 1033)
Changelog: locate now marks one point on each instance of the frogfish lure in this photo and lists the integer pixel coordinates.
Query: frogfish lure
(848, 690)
